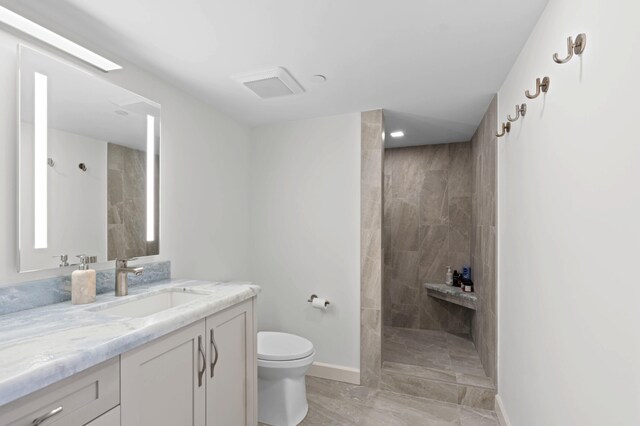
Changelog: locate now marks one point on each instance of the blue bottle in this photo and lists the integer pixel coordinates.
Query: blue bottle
(466, 272)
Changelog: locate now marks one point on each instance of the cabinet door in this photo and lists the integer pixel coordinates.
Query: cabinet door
(232, 375)
(161, 383)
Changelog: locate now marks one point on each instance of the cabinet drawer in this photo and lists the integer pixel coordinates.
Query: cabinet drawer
(83, 397)
(110, 418)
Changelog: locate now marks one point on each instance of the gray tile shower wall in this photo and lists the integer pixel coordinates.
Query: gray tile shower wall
(371, 249)
(427, 224)
(483, 238)
(127, 203)
(52, 290)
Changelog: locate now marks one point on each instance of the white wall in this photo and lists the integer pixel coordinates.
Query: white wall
(77, 200)
(569, 224)
(305, 231)
(204, 178)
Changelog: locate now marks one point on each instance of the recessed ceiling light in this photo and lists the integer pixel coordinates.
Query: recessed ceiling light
(397, 134)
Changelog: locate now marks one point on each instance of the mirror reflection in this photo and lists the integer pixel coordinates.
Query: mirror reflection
(88, 167)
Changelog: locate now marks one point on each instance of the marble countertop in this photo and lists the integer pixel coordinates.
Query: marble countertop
(41, 346)
(452, 294)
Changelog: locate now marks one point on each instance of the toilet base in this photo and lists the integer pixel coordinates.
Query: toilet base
(282, 402)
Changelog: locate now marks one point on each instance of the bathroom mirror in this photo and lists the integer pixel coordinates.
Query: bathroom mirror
(88, 166)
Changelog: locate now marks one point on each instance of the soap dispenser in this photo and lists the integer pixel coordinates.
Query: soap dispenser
(449, 276)
(83, 282)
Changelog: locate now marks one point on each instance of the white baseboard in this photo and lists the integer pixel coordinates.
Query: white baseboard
(501, 412)
(335, 372)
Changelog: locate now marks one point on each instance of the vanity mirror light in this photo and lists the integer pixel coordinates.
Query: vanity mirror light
(88, 166)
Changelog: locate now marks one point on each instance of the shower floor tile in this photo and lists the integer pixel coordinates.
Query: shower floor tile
(432, 353)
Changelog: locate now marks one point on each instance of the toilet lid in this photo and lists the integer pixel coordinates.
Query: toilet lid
(274, 346)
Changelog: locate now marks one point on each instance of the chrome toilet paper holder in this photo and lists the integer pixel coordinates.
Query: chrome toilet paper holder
(313, 296)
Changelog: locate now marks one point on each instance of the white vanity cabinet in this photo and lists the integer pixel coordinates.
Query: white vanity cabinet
(231, 374)
(203, 374)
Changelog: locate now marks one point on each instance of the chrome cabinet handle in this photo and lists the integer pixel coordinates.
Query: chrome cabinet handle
(214, 349)
(44, 417)
(202, 358)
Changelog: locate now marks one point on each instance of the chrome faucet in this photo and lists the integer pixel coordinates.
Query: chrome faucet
(122, 276)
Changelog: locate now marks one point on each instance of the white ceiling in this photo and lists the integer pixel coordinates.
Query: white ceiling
(433, 65)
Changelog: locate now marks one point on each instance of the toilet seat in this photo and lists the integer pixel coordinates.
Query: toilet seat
(294, 363)
(275, 347)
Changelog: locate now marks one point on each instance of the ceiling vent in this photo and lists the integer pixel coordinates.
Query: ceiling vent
(271, 83)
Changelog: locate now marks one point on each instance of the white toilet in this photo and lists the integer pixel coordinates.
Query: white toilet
(283, 360)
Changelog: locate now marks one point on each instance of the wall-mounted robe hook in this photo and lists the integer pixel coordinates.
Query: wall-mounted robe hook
(572, 48)
(506, 128)
(541, 86)
(521, 110)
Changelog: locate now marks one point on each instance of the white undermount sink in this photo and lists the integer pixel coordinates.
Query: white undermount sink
(152, 303)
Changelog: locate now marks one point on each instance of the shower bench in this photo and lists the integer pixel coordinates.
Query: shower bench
(452, 295)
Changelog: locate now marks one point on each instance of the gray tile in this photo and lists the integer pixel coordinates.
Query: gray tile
(478, 381)
(371, 346)
(403, 226)
(434, 246)
(434, 199)
(460, 169)
(413, 410)
(483, 238)
(437, 157)
(371, 251)
(419, 371)
(433, 181)
(477, 417)
(477, 397)
(421, 387)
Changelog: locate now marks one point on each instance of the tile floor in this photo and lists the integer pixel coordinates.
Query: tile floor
(337, 404)
(433, 349)
(435, 365)
(430, 378)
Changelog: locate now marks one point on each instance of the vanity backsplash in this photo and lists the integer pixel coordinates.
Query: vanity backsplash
(47, 291)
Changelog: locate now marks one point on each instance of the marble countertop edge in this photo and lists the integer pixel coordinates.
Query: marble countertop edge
(35, 353)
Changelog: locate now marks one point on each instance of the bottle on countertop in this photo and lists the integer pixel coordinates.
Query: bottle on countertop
(83, 282)
(449, 276)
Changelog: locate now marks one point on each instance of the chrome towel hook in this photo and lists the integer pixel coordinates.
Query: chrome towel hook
(572, 48)
(506, 128)
(541, 86)
(521, 110)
